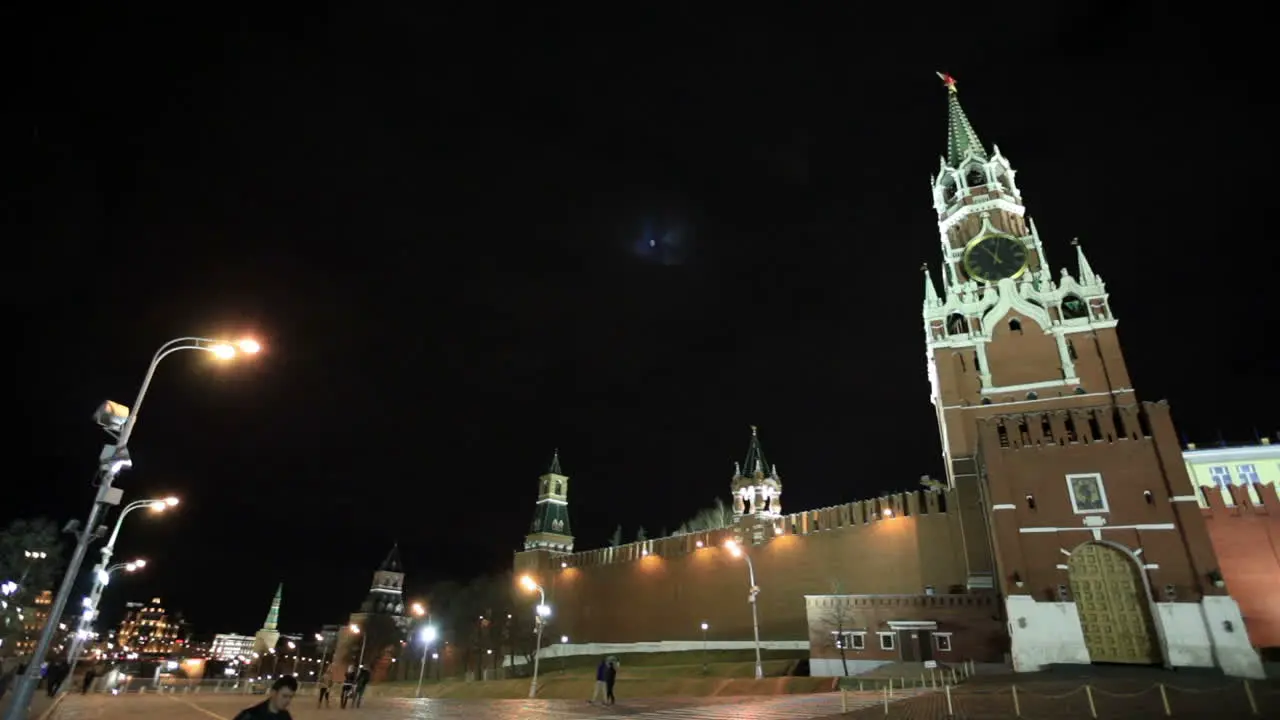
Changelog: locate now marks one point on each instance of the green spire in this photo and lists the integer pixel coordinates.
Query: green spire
(755, 462)
(962, 139)
(551, 513)
(273, 615)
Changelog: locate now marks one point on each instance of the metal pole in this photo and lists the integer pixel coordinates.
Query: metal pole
(421, 670)
(20, 703)
(755, 617)
(537, 651)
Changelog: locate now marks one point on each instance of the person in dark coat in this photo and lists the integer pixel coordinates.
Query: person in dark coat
(276, 706)
(610, 677)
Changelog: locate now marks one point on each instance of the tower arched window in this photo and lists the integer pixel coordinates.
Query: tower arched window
(1073, 307)
(557, 488)
(956, 324)
(975, 177)
(1015, 325)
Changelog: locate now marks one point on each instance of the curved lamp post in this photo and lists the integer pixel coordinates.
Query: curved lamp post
(541, 613)
(119, 422)
(101, 575)
(737, 551)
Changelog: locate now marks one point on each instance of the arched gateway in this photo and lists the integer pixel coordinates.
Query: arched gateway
(1111, 599)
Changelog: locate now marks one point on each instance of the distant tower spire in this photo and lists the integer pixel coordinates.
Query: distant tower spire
(962, 139)
(273, 615)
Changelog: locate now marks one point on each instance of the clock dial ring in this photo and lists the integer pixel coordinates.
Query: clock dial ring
(994, 257)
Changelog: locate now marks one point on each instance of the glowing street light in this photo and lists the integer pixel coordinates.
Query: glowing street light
(418, 609)
(428, 636)
(736, 551)
(541, 612)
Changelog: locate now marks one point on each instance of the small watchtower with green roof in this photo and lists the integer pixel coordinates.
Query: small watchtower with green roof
(550, 527)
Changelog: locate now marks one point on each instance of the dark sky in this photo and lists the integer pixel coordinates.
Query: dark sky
(438, 222)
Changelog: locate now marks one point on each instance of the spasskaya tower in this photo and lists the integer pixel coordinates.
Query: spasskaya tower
(1078, 509)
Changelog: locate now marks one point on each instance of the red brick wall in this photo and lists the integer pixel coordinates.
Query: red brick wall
(664, 589)
(1247, 541)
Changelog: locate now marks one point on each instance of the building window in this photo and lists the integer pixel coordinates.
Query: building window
(855, 640)
(942, 641)
(1220, 475)
(886, 640)
(1253, 484)
(1088, 495)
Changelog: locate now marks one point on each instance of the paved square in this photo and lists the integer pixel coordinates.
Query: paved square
(209, 707)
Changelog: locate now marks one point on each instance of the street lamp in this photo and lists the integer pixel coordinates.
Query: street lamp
(156, 505)
(295, 658)
(428, 637)
(705, 627)
(364, 638)
(119, 422)
(32, 557)
(541, 613)
(737, 551)
(324, 650)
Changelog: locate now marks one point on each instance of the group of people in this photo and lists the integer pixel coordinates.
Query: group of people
(606, 676)
(354, 683)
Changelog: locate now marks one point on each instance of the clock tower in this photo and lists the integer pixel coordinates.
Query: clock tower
(1076, 505)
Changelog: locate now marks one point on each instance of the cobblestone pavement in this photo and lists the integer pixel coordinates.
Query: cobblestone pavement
(791, 707)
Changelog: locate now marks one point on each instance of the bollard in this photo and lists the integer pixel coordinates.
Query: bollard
(1017, 709)
(950, 711)
(886, 701)
(933, 676)
(859, 686)
(1164, 700)
(1253, 703)
(844, 700)
(953, 676)
(1093, 709)
(890, 687)
(923, 683)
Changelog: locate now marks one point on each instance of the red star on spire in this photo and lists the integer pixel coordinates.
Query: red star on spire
(947, 80)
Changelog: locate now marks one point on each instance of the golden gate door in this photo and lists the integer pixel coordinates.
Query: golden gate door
(1112, 602)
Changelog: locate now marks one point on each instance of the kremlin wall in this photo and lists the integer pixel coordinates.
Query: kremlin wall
(907, 544)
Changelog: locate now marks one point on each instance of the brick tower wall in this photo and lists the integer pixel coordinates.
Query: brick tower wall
(1246, 539)
(663, 589)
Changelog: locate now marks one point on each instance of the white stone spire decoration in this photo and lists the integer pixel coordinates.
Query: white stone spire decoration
(930, 292)
(1086, 274)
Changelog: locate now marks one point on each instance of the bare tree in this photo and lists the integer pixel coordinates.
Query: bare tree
(839, 618)
(616, 538)
(716, 517)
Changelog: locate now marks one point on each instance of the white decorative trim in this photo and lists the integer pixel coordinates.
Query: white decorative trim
(1122, 391)
(1151, 566)
(1004, 506)
(1031, 386)
(1150, 526)
(912, 624)
(1184, 498)
(1102, 493)
(966, 210)
(553, 501)
(1061, 566)
(1250, 453)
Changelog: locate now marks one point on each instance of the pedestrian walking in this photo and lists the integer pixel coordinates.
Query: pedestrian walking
(610, 677)
(276, 706)
(348, 686)
(362, 683)
(325, 684)
(601, 689)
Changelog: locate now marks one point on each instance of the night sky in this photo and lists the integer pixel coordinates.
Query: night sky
(439, 226)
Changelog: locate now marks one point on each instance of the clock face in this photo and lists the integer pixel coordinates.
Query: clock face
(992, 258)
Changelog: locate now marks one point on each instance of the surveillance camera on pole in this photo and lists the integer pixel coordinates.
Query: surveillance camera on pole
(111, 416)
